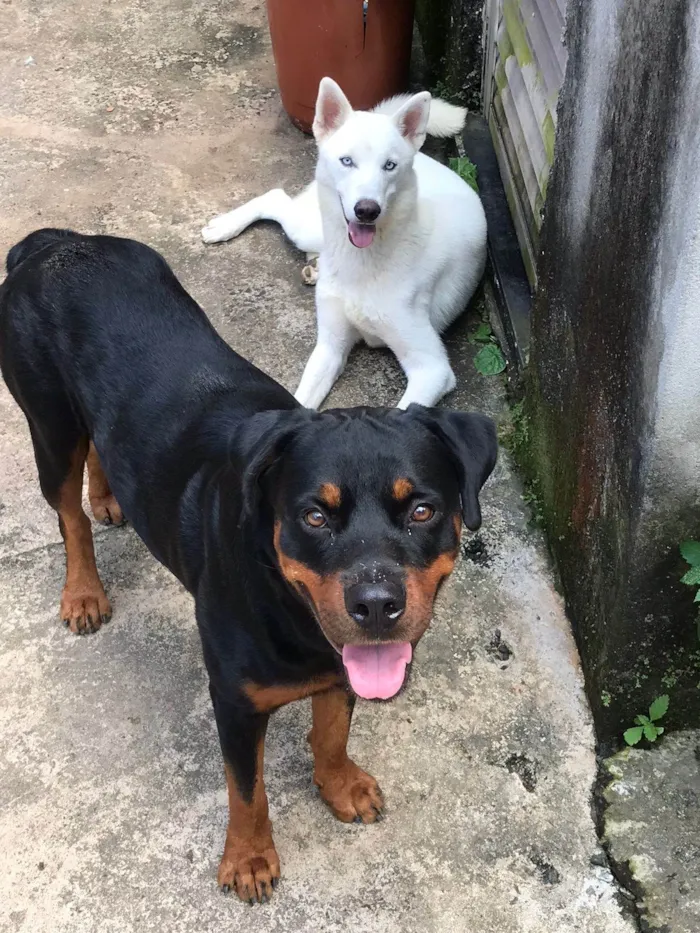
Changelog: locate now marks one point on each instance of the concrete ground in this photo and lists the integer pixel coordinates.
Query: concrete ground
(146, 118)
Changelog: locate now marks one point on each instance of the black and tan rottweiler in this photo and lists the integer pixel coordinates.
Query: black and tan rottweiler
(313, 544)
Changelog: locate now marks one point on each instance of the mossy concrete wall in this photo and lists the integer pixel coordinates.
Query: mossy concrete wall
(614, 400)
(451, 31)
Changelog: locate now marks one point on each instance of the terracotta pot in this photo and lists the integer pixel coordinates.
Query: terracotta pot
(368, 56)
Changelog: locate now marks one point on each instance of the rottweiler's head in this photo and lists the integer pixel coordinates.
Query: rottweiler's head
(366, 508)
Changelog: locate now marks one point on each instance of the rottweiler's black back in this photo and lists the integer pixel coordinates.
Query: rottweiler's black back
(85, 336)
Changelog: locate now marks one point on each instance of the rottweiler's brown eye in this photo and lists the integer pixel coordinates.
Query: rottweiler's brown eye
(422, 513)
(315, 518)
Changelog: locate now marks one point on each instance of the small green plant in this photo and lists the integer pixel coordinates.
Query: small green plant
(647, 725)
(691, 554)
(605, 698)
(489, 361)
(466, 170)
(516, 436)
(532, 499)
(482, 334)
(440, 90)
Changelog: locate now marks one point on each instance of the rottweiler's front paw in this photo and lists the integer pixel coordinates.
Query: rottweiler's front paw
(351, 793)
(84, 610)
(252, 870)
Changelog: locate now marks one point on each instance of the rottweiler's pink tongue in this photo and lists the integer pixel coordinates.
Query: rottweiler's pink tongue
(361, 235)
(376, 672)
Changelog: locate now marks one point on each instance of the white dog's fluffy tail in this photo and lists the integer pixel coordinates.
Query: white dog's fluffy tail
(444, 120)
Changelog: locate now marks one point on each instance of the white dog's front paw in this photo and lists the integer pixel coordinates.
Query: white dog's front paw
(450, 383)
(221, 228)
(427, 386)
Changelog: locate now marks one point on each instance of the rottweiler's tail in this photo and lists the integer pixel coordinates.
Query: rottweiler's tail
(33, 243)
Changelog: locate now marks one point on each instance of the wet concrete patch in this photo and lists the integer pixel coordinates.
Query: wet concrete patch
(525, 768)
(476, 551)
(547, 872)
(498, 648)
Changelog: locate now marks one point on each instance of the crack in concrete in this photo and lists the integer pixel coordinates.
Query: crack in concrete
(97, 531)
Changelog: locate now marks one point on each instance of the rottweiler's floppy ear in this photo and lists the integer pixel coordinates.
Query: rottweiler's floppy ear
(471, 440)
(257, 445)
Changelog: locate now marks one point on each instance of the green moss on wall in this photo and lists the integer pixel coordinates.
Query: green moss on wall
(516, 32)
(548, 135)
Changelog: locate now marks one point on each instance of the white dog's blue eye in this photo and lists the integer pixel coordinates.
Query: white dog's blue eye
(347, 161)
(389, 166)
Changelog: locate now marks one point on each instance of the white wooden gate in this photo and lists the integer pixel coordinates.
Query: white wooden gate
(524, 64)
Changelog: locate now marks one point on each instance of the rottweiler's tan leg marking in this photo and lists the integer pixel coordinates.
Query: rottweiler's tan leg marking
(250, 864)
(84, 605)
(104, 506)
(351, 793)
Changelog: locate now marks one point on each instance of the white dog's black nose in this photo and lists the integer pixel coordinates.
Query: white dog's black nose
(367, 211)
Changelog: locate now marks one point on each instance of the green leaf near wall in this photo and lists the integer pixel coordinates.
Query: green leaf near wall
(634, 735)
(659, 707)
(466, 170)
(691, 552)
(489, 361)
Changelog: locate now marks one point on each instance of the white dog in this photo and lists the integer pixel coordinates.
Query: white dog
(401, 238)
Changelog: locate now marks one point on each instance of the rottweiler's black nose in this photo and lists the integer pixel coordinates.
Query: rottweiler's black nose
(367, 211)
(376, 606)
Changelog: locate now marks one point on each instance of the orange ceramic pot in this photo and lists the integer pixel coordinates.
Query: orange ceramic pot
(364, 46)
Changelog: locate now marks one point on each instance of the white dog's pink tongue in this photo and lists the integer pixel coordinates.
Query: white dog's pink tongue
(361, 235)
(376, 672)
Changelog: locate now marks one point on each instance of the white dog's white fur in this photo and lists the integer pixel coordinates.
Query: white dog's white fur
(423, 260)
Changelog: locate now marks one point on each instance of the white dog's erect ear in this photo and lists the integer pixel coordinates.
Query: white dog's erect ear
(412, 119)
(332, 109)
